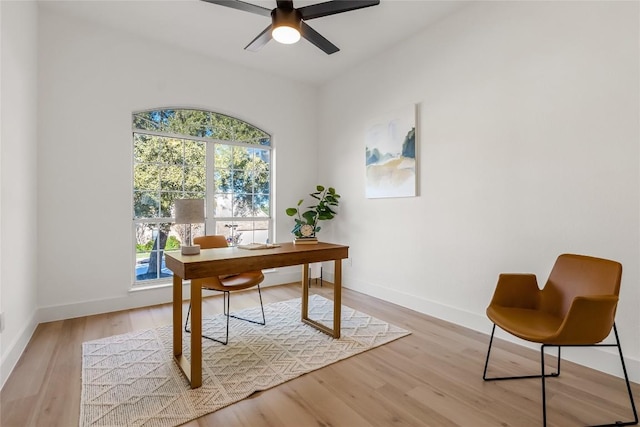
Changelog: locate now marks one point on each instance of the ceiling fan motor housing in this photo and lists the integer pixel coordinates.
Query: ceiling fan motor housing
(286, 17)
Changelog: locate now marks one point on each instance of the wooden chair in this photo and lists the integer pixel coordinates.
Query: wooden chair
(576, 308)
(227, 284)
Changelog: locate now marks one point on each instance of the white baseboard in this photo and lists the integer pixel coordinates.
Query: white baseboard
(11, 353)
(601, 359)
(139, 298)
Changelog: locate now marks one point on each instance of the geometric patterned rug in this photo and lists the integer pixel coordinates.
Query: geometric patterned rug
(131, 379)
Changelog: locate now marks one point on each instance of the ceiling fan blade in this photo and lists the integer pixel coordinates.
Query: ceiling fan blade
(332, 7)
(314, 37)
(241, 5)
(262, 39)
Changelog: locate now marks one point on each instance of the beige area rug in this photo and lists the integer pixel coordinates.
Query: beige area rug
(131, 379)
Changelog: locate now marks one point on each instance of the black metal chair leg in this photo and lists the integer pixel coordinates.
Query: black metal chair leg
(543, 376)
(226, 301)
(251, 320)
(225, 309)
(626, 379)
(186, 322)
(486, 364)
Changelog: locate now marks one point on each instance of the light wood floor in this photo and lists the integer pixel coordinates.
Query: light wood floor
(431, 378)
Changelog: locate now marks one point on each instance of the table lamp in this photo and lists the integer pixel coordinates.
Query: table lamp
(189, 211)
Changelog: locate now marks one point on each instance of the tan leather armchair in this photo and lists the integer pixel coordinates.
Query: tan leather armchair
(227, 284)
(576, 308)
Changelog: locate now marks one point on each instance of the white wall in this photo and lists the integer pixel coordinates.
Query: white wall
(18, 172)
(528, 148)
(91, 79)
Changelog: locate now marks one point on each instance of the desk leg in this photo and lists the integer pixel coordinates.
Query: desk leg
(196, 333)
(337, 298)
(193, 370)
(305, 291)
(337, 301)
(177, 315)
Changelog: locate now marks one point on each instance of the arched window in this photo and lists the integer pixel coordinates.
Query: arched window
(188, 153)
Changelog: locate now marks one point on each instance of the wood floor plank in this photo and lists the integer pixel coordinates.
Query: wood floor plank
(63, 379)
(30, 367)
(432, 377)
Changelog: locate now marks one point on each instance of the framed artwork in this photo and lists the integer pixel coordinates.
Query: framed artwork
(391, 155)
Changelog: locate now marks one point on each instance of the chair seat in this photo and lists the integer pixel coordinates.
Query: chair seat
(235, 282)
(531, 325)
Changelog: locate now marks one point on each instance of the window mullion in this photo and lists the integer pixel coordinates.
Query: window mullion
(209, 187)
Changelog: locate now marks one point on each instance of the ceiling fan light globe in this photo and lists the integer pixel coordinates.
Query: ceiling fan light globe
(285, 35)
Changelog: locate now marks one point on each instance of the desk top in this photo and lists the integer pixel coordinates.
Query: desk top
(214, 262)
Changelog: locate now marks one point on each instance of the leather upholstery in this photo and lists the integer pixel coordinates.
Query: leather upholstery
(576, 306)
(228, 282)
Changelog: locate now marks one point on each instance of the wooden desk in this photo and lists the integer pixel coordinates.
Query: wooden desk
(214, 262)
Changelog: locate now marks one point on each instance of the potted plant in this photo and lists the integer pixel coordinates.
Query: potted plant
(306, 225)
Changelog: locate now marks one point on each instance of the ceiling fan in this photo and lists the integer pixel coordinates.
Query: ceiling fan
(288, 23)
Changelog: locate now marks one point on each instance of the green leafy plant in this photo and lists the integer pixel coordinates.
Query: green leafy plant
(307, 222)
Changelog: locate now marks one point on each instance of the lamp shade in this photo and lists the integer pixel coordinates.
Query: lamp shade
(189, 211)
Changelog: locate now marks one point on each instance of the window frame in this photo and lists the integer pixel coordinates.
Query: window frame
(211, 220)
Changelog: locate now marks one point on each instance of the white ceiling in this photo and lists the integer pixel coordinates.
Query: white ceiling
(222, 32)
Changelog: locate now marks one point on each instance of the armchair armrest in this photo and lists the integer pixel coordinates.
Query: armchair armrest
(517, 291)
(589, 320)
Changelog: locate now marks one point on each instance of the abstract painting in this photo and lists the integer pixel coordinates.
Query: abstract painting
(391, 155)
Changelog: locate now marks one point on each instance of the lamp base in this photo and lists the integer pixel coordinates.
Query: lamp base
(190, 250)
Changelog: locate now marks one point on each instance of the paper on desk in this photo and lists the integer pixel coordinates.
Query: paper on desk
(252, 246)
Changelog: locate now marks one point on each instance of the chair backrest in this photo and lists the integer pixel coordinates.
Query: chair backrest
(579, 275)
(211, 242)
